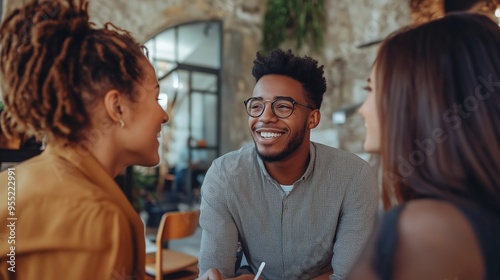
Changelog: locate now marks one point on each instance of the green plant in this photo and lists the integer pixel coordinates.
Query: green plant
(298, 20)
(145, 181)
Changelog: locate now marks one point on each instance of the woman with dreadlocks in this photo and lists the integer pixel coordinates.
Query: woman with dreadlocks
(91, 94)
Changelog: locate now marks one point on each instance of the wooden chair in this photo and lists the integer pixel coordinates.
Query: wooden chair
(173, 225)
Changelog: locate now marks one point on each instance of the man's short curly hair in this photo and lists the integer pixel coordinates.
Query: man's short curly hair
(303, 69)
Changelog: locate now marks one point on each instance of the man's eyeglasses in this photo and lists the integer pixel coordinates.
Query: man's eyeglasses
(282, 107)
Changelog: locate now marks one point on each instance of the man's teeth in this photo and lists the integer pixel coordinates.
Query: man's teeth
(270, 134)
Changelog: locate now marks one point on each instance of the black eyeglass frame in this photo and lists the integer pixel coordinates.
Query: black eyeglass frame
(272, 105)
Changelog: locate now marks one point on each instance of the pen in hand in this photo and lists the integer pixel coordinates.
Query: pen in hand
(261, 267)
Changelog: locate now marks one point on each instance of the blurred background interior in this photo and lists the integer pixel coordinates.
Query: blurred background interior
(203, 52)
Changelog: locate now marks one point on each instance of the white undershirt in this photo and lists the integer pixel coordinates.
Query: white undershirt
(287, 188)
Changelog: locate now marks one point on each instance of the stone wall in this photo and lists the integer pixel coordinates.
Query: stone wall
(349, 24)
(425, 10)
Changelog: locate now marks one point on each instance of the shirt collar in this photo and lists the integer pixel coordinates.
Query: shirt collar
(309, 169)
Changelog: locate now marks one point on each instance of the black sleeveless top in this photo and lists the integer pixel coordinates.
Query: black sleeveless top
(486, 226)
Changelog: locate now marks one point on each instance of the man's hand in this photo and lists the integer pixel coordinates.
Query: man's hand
(214, 274)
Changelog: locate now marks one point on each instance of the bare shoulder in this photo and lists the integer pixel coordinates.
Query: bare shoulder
(436, 241)
(422, 216)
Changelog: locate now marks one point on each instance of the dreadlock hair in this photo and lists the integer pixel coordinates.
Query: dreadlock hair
(302, 69)
(57, 64)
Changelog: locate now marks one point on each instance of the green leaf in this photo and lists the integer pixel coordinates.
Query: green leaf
(298, 20)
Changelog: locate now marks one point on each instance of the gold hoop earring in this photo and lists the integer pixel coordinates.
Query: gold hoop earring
(121, 123)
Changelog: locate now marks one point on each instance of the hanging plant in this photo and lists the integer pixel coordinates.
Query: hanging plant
(297, 20)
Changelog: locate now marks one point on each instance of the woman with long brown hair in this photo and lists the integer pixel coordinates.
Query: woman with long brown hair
(433, 115)
(91, 94)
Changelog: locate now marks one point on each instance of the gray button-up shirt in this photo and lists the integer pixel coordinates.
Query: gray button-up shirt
(321, 225)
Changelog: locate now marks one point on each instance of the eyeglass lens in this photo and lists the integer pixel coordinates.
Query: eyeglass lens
(281, 107)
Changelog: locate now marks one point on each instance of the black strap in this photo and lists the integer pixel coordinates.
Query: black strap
(486, 225)
(386, 243)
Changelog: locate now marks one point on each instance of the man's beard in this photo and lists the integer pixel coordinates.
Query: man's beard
(291, 147)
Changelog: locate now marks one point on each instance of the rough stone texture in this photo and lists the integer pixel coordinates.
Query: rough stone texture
(351, 23)
(348, 24)
(425, 10)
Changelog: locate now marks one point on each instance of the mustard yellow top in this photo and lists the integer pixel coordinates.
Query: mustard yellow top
(70, 221)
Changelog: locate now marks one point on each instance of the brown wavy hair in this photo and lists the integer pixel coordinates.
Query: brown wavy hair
(55, 64)
(439, 107)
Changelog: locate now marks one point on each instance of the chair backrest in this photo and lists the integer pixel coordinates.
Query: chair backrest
(173, 225)
(176, 225)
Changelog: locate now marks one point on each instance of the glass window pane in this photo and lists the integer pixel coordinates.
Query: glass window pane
(162, 67)
(199, 44)
(204, 118)
(165, 45)
(175, 86)
(204, 81)
(203, 156)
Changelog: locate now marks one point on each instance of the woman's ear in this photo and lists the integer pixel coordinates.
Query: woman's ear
(115, 105)
(314, 118)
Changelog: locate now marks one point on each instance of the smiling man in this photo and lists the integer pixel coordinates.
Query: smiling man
(303, 208)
